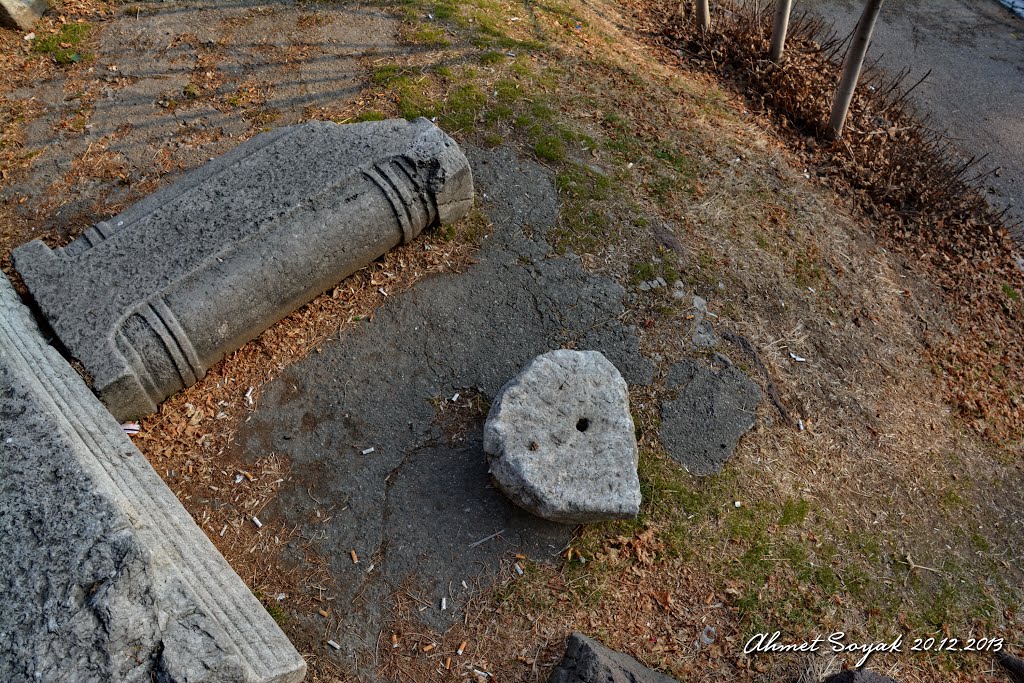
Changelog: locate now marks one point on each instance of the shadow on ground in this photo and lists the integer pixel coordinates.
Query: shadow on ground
(414, 508)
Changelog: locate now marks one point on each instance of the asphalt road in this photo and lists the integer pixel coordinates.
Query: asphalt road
(975, 51)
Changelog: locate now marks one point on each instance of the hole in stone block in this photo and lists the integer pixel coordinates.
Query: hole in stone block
(582, 425)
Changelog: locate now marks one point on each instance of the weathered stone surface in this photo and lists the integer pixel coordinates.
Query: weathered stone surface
(21, 14)
(561, 440)
(1013, 666)
(858, 677)
(711, 411)
(106, 577)
(587, 661)
(150, 299)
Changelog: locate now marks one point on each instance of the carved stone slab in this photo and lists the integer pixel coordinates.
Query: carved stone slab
(105, 575)
(150, 299)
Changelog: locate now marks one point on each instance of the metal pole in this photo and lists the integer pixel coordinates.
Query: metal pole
(852, 66)
(704, 14)
(782, 11)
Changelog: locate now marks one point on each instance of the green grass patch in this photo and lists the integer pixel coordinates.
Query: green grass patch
(429, 36)
(794, 512)
(492, 57)
(63, 45)
(445, 11)
(385, 75)
(274, 609)
(580, 182)
(663, 267)
(372, 115)
(413, 99)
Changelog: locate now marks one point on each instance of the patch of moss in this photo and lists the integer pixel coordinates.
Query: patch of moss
(429, 36)
(413, 100)
(550, 148)
(445, 11)
(581, 182)
(507, 91)
(794, 512)
(63, 45)
(462, 106)
(385, 74)
(492, 57)
(274, 609)
(372, 115)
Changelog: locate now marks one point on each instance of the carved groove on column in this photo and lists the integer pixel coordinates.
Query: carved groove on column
(138, 366)
(409, 202)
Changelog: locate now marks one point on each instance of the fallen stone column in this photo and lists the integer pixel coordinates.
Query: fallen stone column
(150, 299)
(105, 575)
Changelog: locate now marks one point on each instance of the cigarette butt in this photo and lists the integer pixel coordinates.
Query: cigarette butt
(520, 557)
(448, 663)
(367, 451)
(519, 570)
(225, 528)
(257, 522)
(248, 475)
(462, 647)
(324, 613)
(394, 640)
(334, 644)
(568, 554)
(428, 648)
(444, 604)
(355, 558)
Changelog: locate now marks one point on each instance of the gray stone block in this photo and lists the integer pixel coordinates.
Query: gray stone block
(588, 661)
(150, 299)
(106, 577)
(21, 14)
(561, 441)
(711, 410)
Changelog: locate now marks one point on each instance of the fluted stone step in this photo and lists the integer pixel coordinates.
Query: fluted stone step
(105, 575)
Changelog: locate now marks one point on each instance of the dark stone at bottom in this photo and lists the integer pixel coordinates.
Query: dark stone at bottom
(587, 661)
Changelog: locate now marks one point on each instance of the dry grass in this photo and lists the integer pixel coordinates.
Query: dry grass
(662, 170)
